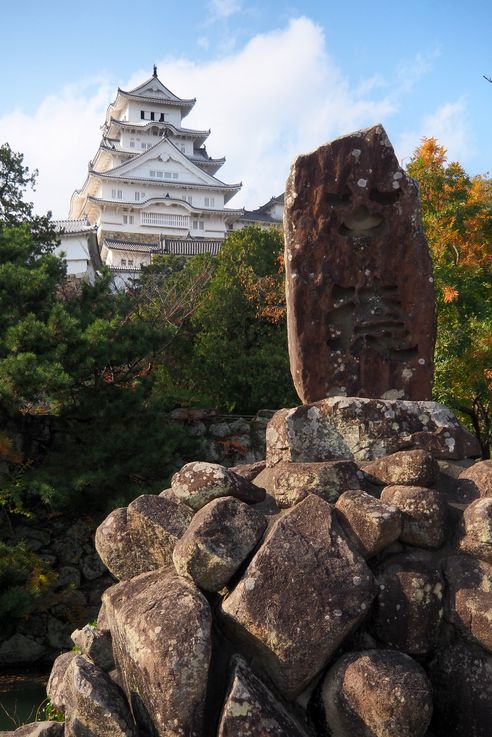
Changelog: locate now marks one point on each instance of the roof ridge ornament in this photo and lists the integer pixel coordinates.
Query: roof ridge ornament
(154, 73)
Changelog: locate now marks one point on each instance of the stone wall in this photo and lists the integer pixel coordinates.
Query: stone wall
(230, 440)
(68, 545)
(132, 237)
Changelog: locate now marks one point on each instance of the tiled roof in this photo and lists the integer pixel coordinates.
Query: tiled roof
(174, 246)
(256, 216)
(120, 245)
(72, 226)
(190, 247)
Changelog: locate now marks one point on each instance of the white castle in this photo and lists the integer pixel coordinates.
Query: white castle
(151, 187)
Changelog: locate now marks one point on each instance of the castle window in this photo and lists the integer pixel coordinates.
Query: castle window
(123, 261)
(159, 174)
(168, 175)
(162, 118)
(142, 114)
(137, 196)
(175, 175)
(130, 262)
(152, 173)
(183, 148)
(132, 143)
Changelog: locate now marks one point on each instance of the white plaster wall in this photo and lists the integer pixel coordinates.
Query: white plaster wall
(75, 250)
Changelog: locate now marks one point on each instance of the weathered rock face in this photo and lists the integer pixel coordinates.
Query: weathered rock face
(198, 483)
(371, 523)
(476, 539)
(408, 609)
(303, 592)
(461, 679)
(412, 467)
(115, 546)
(56, 688)
(38, 729)
(365, 429)
(476, 481)
(160, 625)
(96, 644)
(142, 536)
(293, 482)
(469, 598)
(377, 693)
(220, 537)
(96, 704)
(251, 709)
(424, 514)
(156, 523)
(360, 293)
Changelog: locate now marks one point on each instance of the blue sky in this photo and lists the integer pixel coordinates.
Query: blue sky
(272, 80)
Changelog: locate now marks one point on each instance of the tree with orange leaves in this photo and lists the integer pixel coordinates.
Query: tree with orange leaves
(457, 216)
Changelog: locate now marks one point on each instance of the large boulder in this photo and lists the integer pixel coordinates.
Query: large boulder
(197, 483)
(115, 546)
(372, 524)
(38, 729)
(469, 597)
(408, 609)
(476, 481)
(377, 693)
(476, 538)
(96, 644)
(361, 429)
(461, 677)
(411, 467)
(142, 536)
(424, 514)
(156, 523)
(251, 709)
(95, 705)
(56, 683)
(161, 629)
(360, 292)
(290, 483)
(220, 537)
(302, 593)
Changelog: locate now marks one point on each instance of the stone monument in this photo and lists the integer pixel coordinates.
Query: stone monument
(360, 292)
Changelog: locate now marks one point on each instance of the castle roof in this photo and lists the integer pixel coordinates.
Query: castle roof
(151, 91)
(73, 226)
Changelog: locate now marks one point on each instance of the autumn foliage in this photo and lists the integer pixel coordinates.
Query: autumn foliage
(457, 216)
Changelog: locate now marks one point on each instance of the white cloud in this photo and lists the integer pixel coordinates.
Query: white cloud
(224, 8)
(278, 96)
(58, 139)
(449, 125)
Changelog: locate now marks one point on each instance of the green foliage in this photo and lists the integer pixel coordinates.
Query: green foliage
(76, 377)
(24, 577)
(240, 359)
(47, 712)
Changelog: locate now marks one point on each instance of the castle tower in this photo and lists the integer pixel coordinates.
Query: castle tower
(151, 185)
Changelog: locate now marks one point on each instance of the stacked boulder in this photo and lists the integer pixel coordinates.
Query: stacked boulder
(344, 589)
